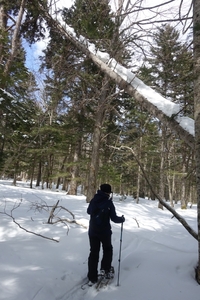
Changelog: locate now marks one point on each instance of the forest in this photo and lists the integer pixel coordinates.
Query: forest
(72, 124)
(78, 127)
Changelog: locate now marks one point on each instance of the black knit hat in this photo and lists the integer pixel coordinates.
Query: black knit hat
(106, 188)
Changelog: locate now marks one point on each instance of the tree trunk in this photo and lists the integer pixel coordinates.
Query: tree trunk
(39, 173)
(94, 163)
(32, 170)
(196, 37)
(3, 22)
(162, 163)
(15, 173)
(15, 39)
(171, 172)
(183, 187)
(139, 172)
(74, 171)
(61, 169)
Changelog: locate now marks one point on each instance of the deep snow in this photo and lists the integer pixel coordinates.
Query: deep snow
(157, 262)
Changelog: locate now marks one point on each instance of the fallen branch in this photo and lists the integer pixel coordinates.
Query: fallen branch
(58, 219)
(21, 227)
(69, 221)
(174, 213)
(52, 213)
(136, 222)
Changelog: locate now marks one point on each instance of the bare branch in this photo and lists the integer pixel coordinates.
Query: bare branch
(176, 215)
(52, 213)
(53, 216)
(21, 227)
(137, 222)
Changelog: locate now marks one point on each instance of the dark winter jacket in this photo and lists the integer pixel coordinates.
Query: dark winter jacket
(102, 199)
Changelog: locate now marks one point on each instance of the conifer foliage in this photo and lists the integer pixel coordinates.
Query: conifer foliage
(169, 69)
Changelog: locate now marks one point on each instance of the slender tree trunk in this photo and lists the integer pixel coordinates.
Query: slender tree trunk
(15, 173)
(196, 36)
(183, 187)
(74, 171)
(15, 39)
(162, 163)
(139, 172)
(121, 188)
(94, 163)
(32, 173)
(61, 169)
(138, 185)
(170, 190)
(39, 174)
(3, 22)
(65, 184)
(171, 173)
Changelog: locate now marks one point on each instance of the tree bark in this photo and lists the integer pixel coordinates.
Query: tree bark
(3, 21)
(196, 37)
(162, 164)
(94, 163)
(15, 39)
(139, 172)
(75, 170)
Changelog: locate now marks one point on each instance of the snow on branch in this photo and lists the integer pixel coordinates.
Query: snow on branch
(162, 108)
(4, 95)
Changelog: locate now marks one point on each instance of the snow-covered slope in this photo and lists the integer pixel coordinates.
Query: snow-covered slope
(157, 261)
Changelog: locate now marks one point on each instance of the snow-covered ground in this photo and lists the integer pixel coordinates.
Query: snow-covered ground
(157, 260)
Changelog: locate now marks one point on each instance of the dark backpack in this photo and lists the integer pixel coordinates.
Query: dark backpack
(100, 217)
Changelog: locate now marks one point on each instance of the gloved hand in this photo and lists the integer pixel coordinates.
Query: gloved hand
(123, 219)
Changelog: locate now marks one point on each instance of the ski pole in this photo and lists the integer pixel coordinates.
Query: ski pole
(120, 250)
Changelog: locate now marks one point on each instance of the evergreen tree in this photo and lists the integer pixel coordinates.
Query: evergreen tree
(97, 88)
(169, 70)
(17, 85)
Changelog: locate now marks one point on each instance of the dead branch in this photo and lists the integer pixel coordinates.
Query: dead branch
(63, 220)
(73, 216)
(52, 213)
(39, 206)
(53, 219)
(168, 207)
(69, 221)
(21, 227)
(137, 222)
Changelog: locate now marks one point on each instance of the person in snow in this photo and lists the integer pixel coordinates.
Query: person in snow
(101, 210)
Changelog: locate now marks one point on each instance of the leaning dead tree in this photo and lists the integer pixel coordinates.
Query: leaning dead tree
(157, 196)
(149, 99)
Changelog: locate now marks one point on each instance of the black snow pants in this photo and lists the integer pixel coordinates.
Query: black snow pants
(95, 244)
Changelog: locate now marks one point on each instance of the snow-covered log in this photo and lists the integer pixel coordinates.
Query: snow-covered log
(165, 110)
